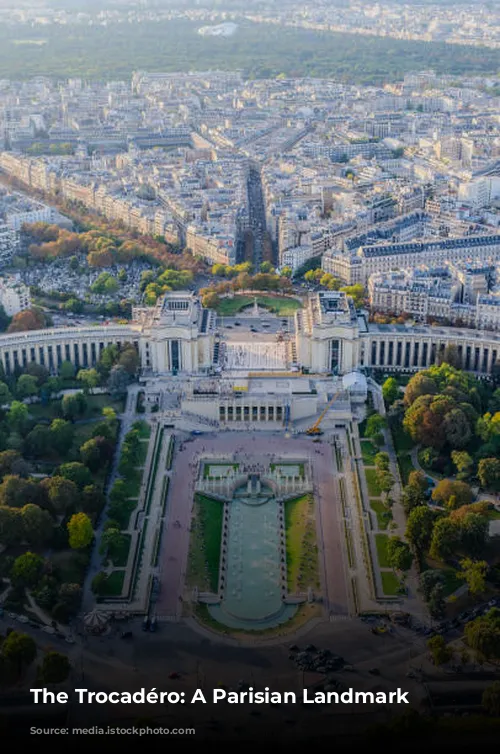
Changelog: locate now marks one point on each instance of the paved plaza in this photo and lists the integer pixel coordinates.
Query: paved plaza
(247, 448)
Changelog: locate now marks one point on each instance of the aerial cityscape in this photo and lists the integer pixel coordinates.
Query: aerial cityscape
(250, 364)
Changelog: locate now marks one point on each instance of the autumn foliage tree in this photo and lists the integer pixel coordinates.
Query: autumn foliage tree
(28, 319)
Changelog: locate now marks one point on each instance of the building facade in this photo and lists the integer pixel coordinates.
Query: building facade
(178, 336)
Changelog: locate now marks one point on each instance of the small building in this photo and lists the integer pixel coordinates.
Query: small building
(14, 295)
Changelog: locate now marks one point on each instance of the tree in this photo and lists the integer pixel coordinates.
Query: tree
(112, 542)
(483, 634)
(118, 492)
(447, 488)
(39, 371)
(55, 668)
(385, 481)
(73, 405)
(451, 356)
(474, 572)
(357, 293)
(374, 425)
(92, 499)
(37, 443)
(491, 699)
(19, 649)
(11, 530)
(76, 472)
(89, 378)
(399, 554)
(118, 382)
(80, 531)
(390, 390)
(420, 384)
(109, 413)
(457, 428)
(418, 479)
(419, 527)
(439, 650)
(437, 603)
(382, 461)
(5, 394)
(61, 436)
(129, 359)
(108, 358)
(428, 580)
(37, 525)
(70, 595)
(28, 319)
(105, 431)
(445, 539)
(90, 453)
(18, 415)
(11, 462)
(27, 569)
(99, 583)
(488, 472)
(412, 497)
(62, 493)
(26, 387)
(17, 492)
(67, 370)
(463, 462)
(474, 533)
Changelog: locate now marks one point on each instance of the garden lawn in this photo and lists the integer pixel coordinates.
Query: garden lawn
(133, 483)
(405, 466)
(123, 518)
(371, 480)
(401, 440)
(301, 548)
(121, 557)
(143, 428)
(368, 451)
(390, 583)
(381, 541)
(96, 403)
(142, 454)
(209, 515)
(379, 508)
(113, 585)
(285, 306)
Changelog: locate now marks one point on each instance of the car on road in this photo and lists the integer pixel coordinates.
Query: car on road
(374, 671)
(49, 630)
(126, 635)
(174, 676)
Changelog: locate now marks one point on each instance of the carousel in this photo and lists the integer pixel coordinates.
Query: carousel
(95, 622)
